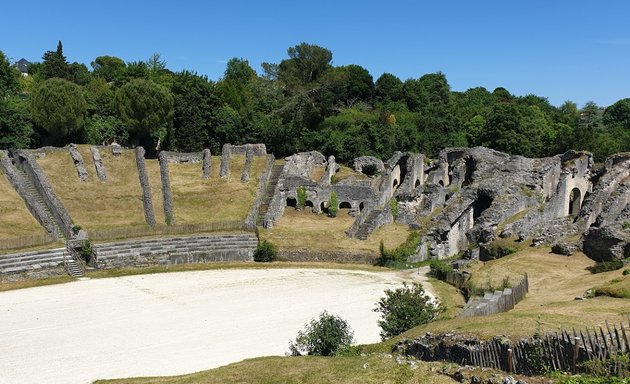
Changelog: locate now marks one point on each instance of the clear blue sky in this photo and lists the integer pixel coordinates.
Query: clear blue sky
(562, 50)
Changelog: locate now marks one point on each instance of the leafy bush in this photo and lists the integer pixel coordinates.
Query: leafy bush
(626, 272)
(301, 197)
(75, 229)
(333, 205)
(439, 269)
(325, 336)
(265, 252)
(86, 251)
(397, 257)
(496, 251)
(615, 365)
(404, 308)
(606, 266)
(393, 205)
(626, 225)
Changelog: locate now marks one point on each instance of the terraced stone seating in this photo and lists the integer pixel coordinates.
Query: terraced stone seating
(179, 250)
(31, 261)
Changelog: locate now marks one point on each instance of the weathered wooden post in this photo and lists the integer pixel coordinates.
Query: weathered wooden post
(576, 350)
(510, 366)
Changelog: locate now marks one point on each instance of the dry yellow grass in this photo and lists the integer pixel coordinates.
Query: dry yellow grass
(304, 229)
(346, 172)
(15, 219)
(317, 173)
(555, 282)
(203, 201)
(381, 369)
(93, 204)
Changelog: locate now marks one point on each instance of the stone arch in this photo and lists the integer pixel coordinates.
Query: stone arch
(361, 206)
(575, 201)
(345, 205)
(395, 184)
(416, 184)
(291, 202)
(309, 203)
(396, 175)
(441, 182)
(324, 207)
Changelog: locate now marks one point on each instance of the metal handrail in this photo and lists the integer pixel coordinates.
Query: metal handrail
(75, 256)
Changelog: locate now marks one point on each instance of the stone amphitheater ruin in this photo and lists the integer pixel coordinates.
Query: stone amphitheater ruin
(459, 202)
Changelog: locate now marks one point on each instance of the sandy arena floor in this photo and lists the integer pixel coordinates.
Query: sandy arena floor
(174, 323)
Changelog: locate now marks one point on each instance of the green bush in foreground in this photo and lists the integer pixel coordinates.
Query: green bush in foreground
(404, 308)
(606, 266)
(265, 252)
(324, 336)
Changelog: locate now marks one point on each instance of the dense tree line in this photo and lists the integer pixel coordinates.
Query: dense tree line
(302, 103)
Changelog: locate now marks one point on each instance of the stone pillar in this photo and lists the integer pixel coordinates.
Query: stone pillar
(77, 159)
(98, 164)
(207, 160)
(249, 158)
(169, 215)
(147, 203)
(225, 161)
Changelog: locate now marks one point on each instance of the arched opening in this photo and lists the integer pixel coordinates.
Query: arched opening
(417, 184)
(395, 184)
(482, 203)
(291, 202)
(441, 182)
(345, 205)
(309, 203)
(361, 206)
(324, 207)
(575, 201)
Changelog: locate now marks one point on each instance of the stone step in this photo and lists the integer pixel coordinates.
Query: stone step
(18, 263)
(114, 255)
(232, 243)
(17, 258)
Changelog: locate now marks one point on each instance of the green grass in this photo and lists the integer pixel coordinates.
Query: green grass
(371, 369)
(618, 287)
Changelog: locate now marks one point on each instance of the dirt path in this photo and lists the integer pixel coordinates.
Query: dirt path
(174, 323)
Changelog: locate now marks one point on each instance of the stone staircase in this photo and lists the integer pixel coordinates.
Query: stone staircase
(39, 199)
(276, 171)
(179, 250)
(32, 261)
(73, 267)
(370, 224)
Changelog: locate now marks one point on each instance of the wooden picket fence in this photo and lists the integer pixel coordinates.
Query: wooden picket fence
(163, 230)
(560, 351)
(26, 241)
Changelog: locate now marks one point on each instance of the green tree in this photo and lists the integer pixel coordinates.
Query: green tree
(388, 88)
(324, 336)
(265, 252)
(109, 68)
(9, 78)
(306, 64)
(194, 120)
(404, 308)
(333, 204)
(54, 64)
(16, 130)
(59, 107)
(147, 109)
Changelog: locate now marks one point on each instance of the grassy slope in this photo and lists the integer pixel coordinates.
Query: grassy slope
(304, 370)
(213, 200)
(15, 219)
(555, 282)
(304, 229)
(94, 204)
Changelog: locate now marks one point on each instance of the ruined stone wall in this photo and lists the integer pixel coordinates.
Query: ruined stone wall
(98, 163)
(169, 214)
(36, 174)
(77, 159)
(254, 210)
(147, 202)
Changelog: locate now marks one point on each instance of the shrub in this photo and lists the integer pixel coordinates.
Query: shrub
(626, 272)
(404, 308)
(439, 269)
(75, 229)
(397, 257)
(626, 225)
(606, 266)
(333, 205)
(265, 252)
(324, 336)
(301, 197)
(393, 205)
(86, 251)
